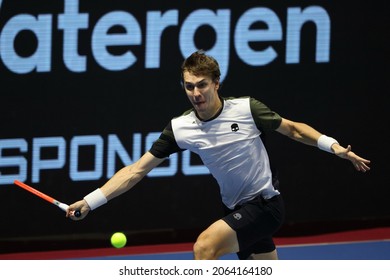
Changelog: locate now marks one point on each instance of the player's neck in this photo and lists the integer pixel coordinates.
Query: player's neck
(214, 111)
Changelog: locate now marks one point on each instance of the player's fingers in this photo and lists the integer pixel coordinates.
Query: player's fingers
(74, 217)
(73, 213)
(364, 167)
(79, 213)
(361, 166)
(68, 212)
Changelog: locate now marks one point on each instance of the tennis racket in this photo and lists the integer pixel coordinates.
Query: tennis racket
(59, 204)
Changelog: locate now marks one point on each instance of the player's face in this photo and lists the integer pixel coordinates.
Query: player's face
(203, 94)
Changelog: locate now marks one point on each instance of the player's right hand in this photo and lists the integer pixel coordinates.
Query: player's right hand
(81, 206)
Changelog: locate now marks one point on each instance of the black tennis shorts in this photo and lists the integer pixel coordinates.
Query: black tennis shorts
(255, 222)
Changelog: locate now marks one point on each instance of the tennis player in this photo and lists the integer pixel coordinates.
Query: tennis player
(225, 133)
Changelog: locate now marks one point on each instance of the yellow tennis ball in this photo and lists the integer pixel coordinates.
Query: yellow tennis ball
(118, 240)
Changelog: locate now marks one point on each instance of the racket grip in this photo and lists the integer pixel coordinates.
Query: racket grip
(62, 206)
(65, 207)
(77, 213)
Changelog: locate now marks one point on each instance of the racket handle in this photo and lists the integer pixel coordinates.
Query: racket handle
(65, 207)
(61, 205)
(77, 213)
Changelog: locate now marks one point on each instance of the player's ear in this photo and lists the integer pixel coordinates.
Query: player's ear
(217, 84)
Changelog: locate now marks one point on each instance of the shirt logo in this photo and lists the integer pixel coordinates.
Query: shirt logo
(235, 127)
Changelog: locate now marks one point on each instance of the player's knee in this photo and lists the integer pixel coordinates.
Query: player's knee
(204, 250)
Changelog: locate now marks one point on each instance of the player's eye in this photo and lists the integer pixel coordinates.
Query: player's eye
(201, 85)
(189, 87)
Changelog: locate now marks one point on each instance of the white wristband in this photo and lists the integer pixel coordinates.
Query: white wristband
(95, 199)
(325, 143)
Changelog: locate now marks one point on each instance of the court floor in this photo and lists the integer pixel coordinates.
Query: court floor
(368, 244)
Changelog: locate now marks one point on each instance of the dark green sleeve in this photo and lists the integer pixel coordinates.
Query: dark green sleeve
(166, 144)
(264, 118)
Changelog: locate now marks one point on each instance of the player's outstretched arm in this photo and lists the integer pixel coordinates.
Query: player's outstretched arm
(306, 134)
(121, 182)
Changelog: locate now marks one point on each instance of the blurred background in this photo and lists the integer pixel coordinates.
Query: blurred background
(86, 87)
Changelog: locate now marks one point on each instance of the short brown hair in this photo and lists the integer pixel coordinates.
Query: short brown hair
(200, 64)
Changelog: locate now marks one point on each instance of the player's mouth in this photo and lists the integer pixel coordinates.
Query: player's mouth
(199, 104)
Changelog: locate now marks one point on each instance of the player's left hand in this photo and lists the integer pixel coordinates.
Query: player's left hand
(360, 164)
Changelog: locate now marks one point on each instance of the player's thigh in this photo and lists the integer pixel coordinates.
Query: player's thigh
(220, 237)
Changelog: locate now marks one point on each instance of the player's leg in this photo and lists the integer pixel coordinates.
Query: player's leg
(217, 240)
(255, 222)
(248, 229)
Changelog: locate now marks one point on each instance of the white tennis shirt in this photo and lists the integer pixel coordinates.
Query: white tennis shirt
(230, 147)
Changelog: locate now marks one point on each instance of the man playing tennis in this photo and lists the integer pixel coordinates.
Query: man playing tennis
(225, 133)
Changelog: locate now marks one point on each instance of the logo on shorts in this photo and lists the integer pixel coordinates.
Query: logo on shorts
(237, 216)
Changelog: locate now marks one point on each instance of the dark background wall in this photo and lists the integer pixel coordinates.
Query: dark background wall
(345, 97)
